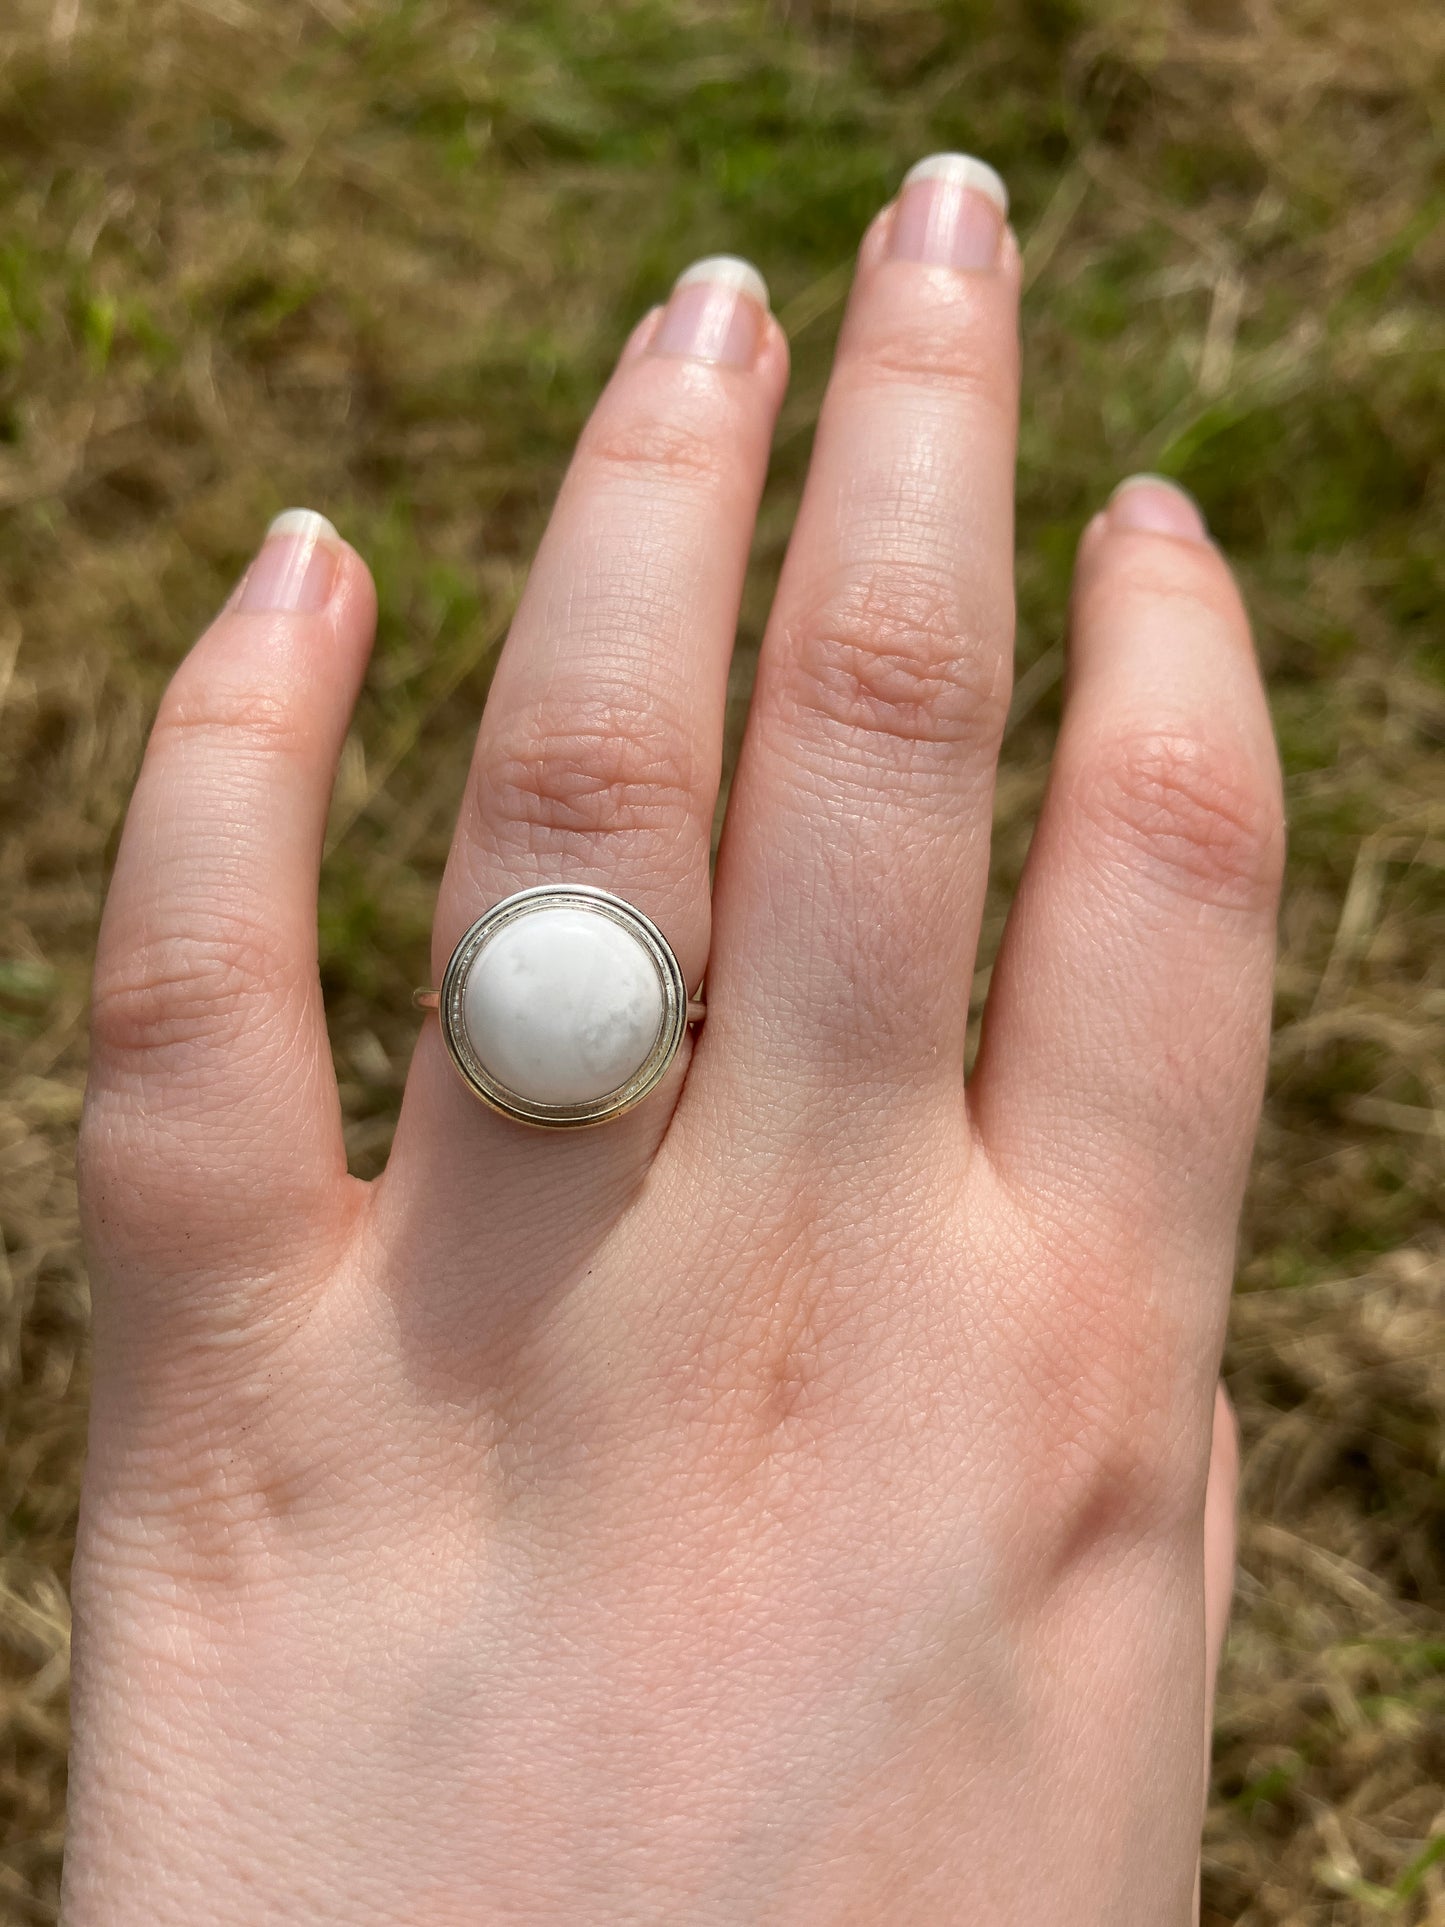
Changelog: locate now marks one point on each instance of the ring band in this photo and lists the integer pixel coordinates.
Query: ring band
(562, 1005)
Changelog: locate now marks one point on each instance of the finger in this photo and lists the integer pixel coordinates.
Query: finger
(1120, 1071)
(854, 858)
(600, 749)
(212, 1127)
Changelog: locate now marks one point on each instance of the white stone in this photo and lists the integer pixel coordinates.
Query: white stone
(562, 1005)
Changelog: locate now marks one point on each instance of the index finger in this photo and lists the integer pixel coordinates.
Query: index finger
(212, 1120)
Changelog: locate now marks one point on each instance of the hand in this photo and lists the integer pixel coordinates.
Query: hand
(784, 1503)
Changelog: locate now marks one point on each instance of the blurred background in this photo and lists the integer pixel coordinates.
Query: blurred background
(376, 258)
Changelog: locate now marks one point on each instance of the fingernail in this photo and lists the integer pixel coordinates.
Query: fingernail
(295, 570)
(1158, 506)
(951, 212)
(716, 312)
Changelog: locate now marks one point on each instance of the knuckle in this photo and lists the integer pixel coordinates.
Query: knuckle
(225, 1461)
(199, 709)
(1124, 1450)
(1206, 820)
(598, 767)
(1126, 1482)
(191, 988)
(947, 344)
(1184, 583)
(891, 653)
(653, 449)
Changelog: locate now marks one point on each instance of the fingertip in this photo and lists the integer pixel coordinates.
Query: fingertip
(716, 314)
(300, 626)
(1156, 505)
(1149, 525)
(294, 571)
(303, 567)
(1150, 539)
(769, 359)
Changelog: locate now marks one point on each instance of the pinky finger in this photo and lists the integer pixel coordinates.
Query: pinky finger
(1125, 1036)
(212, 1130)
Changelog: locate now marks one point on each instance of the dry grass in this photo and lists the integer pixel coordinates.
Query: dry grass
(376, 257)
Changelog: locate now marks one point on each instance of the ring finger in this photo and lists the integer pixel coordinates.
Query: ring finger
(599, 753)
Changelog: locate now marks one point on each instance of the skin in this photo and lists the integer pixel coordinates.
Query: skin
(804, 1499)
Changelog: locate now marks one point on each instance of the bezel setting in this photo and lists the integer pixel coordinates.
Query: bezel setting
(525, 1110)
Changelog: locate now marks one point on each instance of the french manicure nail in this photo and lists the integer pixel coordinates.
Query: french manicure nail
(1157, 506)
(295, 570)
(950, 214)
(715, 312)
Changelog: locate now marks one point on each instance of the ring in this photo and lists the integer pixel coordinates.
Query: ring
(563, 1005)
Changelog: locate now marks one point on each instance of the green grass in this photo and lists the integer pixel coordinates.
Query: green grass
(379, 258)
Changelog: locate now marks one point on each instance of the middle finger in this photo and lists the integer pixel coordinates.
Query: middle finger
(851, 877)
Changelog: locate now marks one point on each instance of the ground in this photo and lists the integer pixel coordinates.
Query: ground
(376, 258)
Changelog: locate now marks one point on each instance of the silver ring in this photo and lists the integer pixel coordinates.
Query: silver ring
(568, 1023)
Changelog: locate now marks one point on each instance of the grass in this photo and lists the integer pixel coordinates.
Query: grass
(378, 257)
